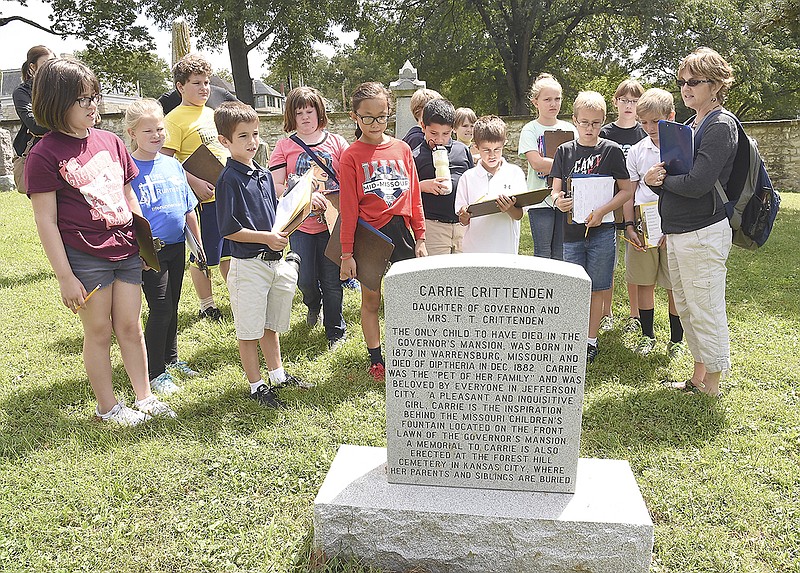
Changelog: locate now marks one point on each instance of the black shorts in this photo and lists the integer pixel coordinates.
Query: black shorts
(402, 238)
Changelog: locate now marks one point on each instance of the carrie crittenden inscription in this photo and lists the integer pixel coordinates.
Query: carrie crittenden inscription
(486, 358)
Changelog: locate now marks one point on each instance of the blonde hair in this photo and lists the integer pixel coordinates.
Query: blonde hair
(145, 107)
(420, 98)
(591, 101)
(543, 80)
(707, 63)
(489, 128)
(629, 86)
(655, 102)
(464, 115)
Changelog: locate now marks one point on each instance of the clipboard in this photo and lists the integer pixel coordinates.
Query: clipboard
(648, 224)
(552, 139)
(196, 248)
(148, 246)
(526, 199)
(676, 145)
(204, 165)
(371, 251)
(295, 204)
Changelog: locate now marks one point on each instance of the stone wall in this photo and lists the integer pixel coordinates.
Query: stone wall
(778, 141)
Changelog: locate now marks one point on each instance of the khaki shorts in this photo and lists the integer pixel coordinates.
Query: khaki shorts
(261, 296)
(647, 267)
(443, 238)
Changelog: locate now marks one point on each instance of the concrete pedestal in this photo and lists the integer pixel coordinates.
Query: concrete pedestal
(604, 527)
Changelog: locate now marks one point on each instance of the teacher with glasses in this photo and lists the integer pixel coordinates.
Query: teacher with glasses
(694, 221)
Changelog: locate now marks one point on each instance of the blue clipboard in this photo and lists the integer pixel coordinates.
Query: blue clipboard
(676, 143)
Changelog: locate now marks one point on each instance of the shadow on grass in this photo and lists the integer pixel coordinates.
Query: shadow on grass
(12, 280)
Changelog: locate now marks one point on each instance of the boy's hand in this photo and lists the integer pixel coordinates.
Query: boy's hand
(594, 219)
(203, 189)
(276, 241)
(562, 203)
(633, 237)
(419, 249)
(464, 216)
(348, 269)
(504, 202)
(438, 186)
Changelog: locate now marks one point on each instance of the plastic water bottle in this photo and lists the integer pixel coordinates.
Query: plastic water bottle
(441, 163)
(293, 259)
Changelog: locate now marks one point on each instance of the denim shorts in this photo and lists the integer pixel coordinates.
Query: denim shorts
(93, 271)
(596, 255)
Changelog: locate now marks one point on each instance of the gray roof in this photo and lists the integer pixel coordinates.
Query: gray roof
(260, 88)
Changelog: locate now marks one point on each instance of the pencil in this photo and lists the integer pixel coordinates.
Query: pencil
(88, 296)
(635, 246)
(586, 234)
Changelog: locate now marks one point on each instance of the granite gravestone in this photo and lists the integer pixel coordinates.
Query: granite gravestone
(486, 360)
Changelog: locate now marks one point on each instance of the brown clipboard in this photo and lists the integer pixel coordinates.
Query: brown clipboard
(553, 138)
(204, 165)
(147, 244)
(371, 250)
(522, 200)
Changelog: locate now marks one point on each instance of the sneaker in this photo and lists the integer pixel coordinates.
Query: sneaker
(299, 382)
(645, 345)
(378, 372)
(122, 415)
(182, 368)
(633, 325)
(266, 396)
(335, 343)
(155, 407)
(606, 323)
(352, 284)
(211, 312)
(163, 384)
(312, 317)
(592, 352)
(675, 349)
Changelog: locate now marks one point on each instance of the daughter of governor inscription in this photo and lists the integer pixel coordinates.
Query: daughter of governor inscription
(486, 358)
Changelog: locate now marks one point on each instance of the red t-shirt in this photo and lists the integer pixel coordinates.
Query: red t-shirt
(88, 176)
(378, 182)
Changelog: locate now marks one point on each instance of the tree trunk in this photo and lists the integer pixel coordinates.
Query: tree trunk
(240, 68)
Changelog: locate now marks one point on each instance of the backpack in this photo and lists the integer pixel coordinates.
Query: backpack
(751, 202)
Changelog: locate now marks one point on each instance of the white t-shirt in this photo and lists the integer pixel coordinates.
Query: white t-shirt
(496, 233)
(641, 157)
(531, 139)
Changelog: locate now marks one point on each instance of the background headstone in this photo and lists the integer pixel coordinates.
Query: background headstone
(6, 157)
(403, 88)
(486, 359)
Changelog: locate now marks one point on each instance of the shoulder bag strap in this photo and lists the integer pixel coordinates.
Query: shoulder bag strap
(312, 154)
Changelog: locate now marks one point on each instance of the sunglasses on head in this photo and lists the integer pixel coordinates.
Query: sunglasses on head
(693, 83)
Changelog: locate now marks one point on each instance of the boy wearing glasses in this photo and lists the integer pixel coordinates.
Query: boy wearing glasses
(443, 233)
(592, 245)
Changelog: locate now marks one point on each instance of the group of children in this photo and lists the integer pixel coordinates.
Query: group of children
(85, 185)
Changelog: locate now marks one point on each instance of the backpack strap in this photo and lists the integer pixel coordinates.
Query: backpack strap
(313, 155)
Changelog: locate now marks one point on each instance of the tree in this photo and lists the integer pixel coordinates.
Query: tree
(128, 71)
(285, 29)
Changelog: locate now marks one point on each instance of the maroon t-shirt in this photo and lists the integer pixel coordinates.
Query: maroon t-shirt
(89, 176)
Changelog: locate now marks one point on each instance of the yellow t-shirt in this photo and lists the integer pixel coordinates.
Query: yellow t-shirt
(189, 126)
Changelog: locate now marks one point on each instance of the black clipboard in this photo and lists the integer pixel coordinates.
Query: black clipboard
(676, 145)
(148, 246)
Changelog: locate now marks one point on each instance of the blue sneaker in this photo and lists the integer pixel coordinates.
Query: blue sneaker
(182, 367)
(163, 384)
(352, 284)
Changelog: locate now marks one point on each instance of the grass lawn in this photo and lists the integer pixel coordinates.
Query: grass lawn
(229, 486)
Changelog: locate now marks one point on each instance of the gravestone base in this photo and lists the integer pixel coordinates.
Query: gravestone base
(604, 527)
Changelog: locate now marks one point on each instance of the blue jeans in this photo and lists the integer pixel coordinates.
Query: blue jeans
(319, 280)
(595, 254)
(547, 229)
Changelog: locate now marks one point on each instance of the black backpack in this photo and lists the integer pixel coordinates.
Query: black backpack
(751, 201)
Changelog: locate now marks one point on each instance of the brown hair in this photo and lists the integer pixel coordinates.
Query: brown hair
(370, 90)
(299, 98)
(420, 98)
(629, 86)
(34, 54)
(707, 63)
(656, 102)
(230, 114)
(188, 65)
(57, 85)
(489, 128)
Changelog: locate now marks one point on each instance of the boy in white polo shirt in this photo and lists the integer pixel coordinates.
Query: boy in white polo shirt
(647, 266)
(493, 178)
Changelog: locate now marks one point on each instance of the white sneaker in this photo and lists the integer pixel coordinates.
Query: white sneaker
(645, 345)
(122, 415)
(164, 384)
(155, 407)
(606, 323)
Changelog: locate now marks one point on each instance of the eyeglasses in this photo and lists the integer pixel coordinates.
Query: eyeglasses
(369, 119)
(692, 83)
(592, 124)
(627, 101)
(85, 102)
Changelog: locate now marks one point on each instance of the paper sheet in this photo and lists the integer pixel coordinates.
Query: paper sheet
(590, 193)
(293, 201)
(651, 223)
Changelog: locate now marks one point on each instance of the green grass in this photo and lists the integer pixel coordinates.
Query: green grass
(229, 486)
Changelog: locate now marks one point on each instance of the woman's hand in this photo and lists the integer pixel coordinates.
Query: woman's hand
(655, 175)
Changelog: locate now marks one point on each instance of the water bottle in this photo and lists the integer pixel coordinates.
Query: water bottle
(441, 163)
(293, 259)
